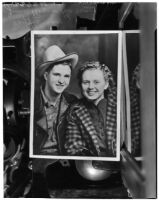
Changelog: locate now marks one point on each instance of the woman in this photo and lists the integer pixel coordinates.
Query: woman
(91, 129)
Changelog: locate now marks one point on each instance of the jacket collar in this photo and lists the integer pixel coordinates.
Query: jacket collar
(42, 121)
(85, 118)
(46, 101)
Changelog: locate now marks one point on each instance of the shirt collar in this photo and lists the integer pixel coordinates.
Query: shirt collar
(46, 101)
(97, 102)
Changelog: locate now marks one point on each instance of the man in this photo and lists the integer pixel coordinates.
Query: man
(51, 101)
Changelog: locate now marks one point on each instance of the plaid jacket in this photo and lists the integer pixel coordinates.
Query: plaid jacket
(135, 113)
(135, 122)
(81, 136)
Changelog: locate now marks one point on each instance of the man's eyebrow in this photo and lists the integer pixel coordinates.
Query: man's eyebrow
(56, 73)
(86, 80)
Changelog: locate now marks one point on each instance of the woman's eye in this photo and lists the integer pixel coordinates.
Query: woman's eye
(85, 82)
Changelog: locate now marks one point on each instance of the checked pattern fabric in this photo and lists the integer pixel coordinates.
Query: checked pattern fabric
(81, 134)
(135, 112)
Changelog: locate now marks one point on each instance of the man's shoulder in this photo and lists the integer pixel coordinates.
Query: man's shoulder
(76, 106)
(70, 98)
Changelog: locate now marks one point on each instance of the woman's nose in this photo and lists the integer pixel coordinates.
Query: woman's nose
(91, 85)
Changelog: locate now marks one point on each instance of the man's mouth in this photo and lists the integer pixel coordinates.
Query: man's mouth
(60, 86)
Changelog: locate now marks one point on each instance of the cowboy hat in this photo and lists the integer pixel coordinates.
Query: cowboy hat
(53, 55)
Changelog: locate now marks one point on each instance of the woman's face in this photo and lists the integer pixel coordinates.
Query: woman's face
(93, 84)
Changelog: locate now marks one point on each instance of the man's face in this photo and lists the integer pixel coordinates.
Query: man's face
(93, 84)
(58, 78)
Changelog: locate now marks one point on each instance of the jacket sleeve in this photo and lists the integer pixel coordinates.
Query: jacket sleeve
(74, 144)
(111, 121)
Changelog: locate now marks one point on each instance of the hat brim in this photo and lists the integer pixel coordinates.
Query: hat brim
(72, 58)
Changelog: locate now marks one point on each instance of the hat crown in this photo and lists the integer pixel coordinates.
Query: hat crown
(53, 53)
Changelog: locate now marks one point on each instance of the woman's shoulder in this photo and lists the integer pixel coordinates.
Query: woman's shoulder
(71, 112)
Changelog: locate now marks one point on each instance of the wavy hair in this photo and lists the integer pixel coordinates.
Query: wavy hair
(96, 65)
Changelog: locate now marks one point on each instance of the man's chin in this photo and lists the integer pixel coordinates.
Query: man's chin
(58, 92)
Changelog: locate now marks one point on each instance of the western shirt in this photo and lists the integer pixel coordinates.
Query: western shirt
(51, 110)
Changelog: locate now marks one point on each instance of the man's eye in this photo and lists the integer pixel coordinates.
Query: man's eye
(96, 82)
(67, 76)
(55, 74)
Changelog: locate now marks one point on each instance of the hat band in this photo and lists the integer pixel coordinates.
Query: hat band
(58, 63)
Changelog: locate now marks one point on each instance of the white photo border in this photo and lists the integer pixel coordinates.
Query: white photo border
(119, 76)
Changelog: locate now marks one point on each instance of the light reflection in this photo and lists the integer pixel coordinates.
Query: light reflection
(87, 171)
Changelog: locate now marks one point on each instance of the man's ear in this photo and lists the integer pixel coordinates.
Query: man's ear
(106, 85)
(45, 75)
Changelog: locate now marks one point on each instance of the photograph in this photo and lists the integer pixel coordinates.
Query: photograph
(75, 93)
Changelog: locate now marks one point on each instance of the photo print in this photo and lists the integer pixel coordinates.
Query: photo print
(75, 95)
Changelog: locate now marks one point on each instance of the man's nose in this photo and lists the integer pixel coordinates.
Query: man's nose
(61, 80)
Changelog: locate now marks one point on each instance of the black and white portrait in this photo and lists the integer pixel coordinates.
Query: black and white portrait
(75, 108)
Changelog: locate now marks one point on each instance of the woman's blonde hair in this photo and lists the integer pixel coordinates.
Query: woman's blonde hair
(96, 65)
